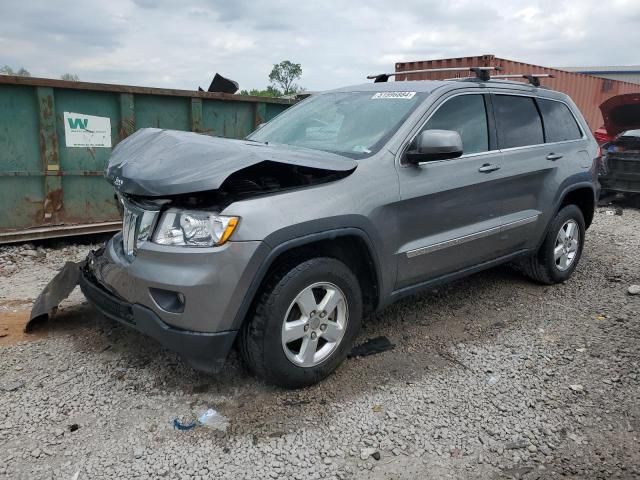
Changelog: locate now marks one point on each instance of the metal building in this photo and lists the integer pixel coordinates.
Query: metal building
(623, 73)
(587, 91)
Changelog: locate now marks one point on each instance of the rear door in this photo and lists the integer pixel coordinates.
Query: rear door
(449, 211)
(537, 139)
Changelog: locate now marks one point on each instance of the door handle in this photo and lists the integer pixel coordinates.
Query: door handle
(489, 167)
(554, 156)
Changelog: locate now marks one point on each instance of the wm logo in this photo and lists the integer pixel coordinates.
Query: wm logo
(80, 123)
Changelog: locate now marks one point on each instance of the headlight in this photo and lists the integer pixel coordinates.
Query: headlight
(194, 228)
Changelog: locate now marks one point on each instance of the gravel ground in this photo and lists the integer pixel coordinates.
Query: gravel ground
(491, 377)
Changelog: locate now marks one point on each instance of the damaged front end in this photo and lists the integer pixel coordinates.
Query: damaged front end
(174, 272)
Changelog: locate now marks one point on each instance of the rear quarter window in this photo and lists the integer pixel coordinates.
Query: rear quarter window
(559, 123)
(518, 121)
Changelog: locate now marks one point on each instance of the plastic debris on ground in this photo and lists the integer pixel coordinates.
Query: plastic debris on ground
(209, 418)
(371, 347)
(178, 425)
(212, 419)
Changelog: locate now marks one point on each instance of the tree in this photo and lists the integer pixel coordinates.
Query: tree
(7, 70)
(269, 92)
(283, 75)
(70, 77)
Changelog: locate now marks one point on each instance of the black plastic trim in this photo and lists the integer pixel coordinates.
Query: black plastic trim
(204, 351)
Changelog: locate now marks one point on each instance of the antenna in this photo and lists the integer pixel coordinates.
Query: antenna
(533, 78)
(482, 73)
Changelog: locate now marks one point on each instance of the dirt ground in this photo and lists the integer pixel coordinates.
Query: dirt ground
(492, 377)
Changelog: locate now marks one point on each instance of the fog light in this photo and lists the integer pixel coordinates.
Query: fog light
(172, 302)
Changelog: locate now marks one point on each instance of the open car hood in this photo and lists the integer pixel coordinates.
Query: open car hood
(621, 113)
(154, 162)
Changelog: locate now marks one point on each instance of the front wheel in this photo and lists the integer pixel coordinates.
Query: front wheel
(304, 322)
(561, 249)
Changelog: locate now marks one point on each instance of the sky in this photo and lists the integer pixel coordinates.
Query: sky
(181, 44)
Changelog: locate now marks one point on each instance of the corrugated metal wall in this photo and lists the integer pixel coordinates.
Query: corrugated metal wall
(587, 92)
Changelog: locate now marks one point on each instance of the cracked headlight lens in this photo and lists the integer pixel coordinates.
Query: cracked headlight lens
(194, 228)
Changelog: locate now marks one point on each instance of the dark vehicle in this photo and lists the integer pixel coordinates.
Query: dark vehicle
(620, 166)
(339, 206)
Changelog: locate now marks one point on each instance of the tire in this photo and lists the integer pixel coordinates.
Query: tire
(544, 266)
(282, 300)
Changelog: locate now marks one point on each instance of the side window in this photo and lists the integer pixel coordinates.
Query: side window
(518, 121)
(467, 115)
(559, 123)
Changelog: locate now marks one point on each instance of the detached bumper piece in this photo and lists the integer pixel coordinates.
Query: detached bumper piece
(204, 351)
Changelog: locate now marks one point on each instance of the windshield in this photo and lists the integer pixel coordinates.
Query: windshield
(355, 124)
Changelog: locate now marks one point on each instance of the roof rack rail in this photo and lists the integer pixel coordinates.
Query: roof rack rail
(481, 72)
(533, 78)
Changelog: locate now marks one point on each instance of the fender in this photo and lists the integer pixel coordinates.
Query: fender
(560, 198)
(300, 241)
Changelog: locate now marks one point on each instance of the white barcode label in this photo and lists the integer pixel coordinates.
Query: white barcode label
(400, 95)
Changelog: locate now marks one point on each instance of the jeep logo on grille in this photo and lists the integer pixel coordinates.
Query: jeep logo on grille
(118, 182)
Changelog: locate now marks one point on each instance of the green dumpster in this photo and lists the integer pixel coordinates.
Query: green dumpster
(56, 137)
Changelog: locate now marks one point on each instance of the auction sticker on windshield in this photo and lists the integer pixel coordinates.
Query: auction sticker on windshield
(400, 95)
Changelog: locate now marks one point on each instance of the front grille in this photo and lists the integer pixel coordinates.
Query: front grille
(137, 226)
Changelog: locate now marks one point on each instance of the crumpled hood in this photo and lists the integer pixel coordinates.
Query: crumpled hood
(155, 162)
(621, 113)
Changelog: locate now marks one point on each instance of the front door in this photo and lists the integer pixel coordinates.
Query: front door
(449, 214)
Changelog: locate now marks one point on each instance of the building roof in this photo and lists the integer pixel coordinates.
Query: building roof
(610, 69)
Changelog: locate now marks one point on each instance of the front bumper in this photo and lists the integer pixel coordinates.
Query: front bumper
(204, 351)
(212, 281)
(212, 284)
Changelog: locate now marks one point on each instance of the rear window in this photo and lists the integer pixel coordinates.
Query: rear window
(518, 121)
(559, 123)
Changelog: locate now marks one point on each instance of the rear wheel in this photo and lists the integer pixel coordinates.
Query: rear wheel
(561, 250)
(304, 322)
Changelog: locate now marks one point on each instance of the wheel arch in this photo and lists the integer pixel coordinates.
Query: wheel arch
(584, 197)
(351, 245)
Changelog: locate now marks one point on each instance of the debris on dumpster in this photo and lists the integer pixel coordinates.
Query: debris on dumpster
(371, 347)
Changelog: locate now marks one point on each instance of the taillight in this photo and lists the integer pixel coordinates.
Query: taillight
(602, 136)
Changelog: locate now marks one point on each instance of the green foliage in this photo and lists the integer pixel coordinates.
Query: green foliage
(283, 77)
(7, 70)
(71, 77)
(269, 92)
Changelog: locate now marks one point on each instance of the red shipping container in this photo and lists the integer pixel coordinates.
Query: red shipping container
(587, 92)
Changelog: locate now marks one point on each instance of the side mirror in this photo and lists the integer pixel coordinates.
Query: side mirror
(432, 145)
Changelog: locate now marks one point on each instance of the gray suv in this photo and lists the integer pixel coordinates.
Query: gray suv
(341, 205)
